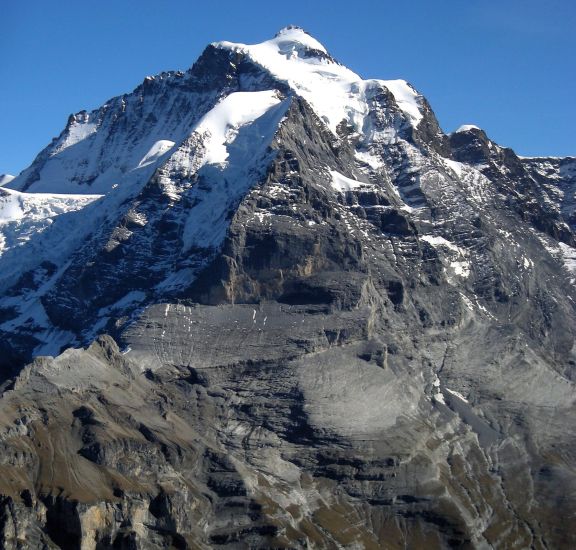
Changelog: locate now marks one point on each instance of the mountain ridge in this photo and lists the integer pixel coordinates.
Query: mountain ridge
(295, 313)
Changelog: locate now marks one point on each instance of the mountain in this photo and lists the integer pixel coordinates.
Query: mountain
(5, 178)
(283, 309)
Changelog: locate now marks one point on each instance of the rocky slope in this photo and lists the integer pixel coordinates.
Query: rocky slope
(287, 311)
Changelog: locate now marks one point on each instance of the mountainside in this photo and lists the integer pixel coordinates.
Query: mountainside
(285, 310)
(5, 178)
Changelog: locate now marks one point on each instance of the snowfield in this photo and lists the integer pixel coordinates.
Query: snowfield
(25, 214)
(335, 92)
(5, 178)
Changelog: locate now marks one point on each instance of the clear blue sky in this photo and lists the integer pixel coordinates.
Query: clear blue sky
(508, 66)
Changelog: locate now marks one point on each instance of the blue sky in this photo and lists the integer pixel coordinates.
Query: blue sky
(508, 66)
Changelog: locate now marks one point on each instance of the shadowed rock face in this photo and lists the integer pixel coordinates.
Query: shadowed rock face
(350, 338)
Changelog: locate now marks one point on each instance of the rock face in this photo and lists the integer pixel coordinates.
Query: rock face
(297, 315)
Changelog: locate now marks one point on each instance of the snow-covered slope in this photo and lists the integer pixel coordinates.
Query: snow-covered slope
(336, 93)
(97, 150)
(23, 215)
(5, 178)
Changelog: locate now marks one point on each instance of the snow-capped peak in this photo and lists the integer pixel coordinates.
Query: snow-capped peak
(335, 92)
(466, 128)
(100, 150)
(290, 42)
(297, 35)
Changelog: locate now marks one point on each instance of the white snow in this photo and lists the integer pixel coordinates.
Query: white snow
(467, 301)
(342, 183)
(51, 229)
(561, 252)
(406, 97)
(374, 161)
(466, 128)
(461, 268)
(77, 131)
(222, 123)
(138, 131)
(237, 133)
(156, 151)
(10, 207)
(289, 37)
(440, 398)
(457, 394)
(569, 258)
(5, 178)
(440, 241)
(335, 92)
(551, 157)
(457, 167)
(437, 390)
(98, 151)
(456, 260)
(479, 187)
(25, 214)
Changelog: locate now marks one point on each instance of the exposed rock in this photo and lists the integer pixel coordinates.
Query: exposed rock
(352, 333)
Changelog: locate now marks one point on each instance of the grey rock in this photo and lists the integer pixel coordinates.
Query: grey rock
(387, 365)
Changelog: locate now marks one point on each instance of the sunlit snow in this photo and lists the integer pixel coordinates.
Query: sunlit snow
(342, 183)
(223, 122)
(335, 92)
(466, 128)
(5, 178)
(25, 214)
(156, 151)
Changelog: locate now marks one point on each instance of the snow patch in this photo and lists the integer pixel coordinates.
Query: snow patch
(569, 258)
(293, 36)
(5, 178)
(406, 97)
(10, 207)
(466, 128)
(342, 183)
(374, 161)
(467, 301)
(461, 268)
(456, 260)
(156, 151)
(437, 391)
(77, 131)
(440, 241)
(457, 394)
(222, 123)
(24, 214)
(241, 130)
(457, 167)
